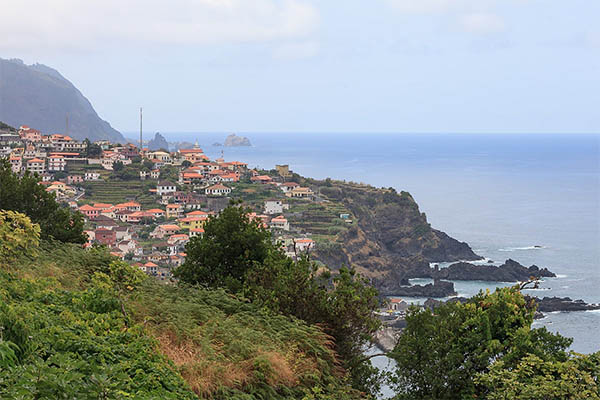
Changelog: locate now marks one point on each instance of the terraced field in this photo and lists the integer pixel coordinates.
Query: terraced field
(120, 191)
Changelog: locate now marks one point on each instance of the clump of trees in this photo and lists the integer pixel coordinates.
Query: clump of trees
(486, 348)
(25, 195)
(238, 254)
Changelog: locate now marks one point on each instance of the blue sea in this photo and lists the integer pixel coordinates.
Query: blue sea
(501, 193)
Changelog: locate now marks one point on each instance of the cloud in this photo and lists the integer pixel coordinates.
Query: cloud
(482, 23)
(81, 24)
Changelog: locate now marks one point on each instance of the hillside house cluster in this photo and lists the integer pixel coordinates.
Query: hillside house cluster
(151, 233)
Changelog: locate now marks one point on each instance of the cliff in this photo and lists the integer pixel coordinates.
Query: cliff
(390, 240)
(39, 96)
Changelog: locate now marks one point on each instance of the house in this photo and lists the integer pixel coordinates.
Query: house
(130, 205)
(156, 212)
(16, 163)
(304, 245)
(197, 213)
(150, 268)
(92, 176)
(300, 192)
(218, 190)
(89, 211)
(122, 233)
(398, 305)
(36, 166)
(264, 179)
(275, 206)
(174, 210)
(192, 222)
(164, 230)
(127, 246)
(123, 214)
(165, 187)
(280, 223)
(155, 174)
(288, 186)
(196, 232)
(144, 175)
(105, 236)
(161, 156)
(56, 163)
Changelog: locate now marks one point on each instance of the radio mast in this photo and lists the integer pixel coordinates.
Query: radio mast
(141, 142)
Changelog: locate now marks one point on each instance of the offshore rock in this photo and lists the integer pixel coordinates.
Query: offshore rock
(510, 271)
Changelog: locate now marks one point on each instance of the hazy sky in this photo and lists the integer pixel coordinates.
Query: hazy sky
(329, 65)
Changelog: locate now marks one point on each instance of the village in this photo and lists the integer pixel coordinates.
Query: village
(145, 205)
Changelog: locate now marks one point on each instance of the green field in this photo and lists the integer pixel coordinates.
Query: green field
(114, 192)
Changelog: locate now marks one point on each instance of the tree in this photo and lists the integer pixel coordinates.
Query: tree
(440, 352)
(118, 166)
(231, 244)
(25, 195)
(18, 235)
(342, 303)
(92, 150)
(534, 378)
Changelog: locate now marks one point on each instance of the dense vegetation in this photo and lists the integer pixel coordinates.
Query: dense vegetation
(486, 348)
(25, 195)
(238, 254)
(78, 324)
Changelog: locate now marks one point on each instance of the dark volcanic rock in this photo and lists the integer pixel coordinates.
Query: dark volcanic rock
(437, 289)
(549, 304)
(510, 271)
(39, 96)
(159, 142)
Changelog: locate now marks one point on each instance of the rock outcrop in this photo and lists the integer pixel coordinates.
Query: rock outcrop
(236, 141)
(510, 271)
(159, 142)
(39, 96)
(438, 289)
(550, 304)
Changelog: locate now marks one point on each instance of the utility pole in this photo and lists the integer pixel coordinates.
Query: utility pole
(67, 124)
(141, 142)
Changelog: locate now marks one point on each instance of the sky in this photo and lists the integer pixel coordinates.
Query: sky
(321, 66)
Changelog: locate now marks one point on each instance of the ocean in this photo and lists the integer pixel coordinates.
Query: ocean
(503, 194)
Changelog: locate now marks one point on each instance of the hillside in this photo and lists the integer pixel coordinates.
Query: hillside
(84, 326)
(39, 96)
(387, 238)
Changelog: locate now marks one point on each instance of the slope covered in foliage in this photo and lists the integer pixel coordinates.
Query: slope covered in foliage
(78, 324)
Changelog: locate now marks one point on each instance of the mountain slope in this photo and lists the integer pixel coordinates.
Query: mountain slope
(39, 96)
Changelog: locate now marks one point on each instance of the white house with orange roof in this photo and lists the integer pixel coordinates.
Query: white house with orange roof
(56, 163)
(36, 165)
(304, 244)
(280, 222)
(16, 163)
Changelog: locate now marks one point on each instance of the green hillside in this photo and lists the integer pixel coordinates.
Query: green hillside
(76, 333)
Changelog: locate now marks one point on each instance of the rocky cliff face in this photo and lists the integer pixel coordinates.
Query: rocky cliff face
(392, 240)
(39, 96)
